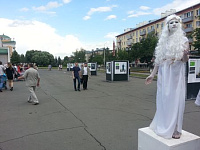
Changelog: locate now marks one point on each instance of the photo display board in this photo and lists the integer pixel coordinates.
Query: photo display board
(120, 67)
(193, 70)
(108, 67)
(92, 66)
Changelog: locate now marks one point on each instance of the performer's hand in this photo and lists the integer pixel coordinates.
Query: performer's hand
(38, 84)
(149, 79)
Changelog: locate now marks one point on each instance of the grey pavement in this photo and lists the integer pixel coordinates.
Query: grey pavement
(107, 116)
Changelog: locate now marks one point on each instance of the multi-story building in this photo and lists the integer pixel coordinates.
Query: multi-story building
(190, 19)
(6, 48)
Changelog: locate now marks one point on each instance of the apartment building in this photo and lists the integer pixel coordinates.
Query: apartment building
(190, 20)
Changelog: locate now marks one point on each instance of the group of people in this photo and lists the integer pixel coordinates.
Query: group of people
(31, 76)
(81, 75)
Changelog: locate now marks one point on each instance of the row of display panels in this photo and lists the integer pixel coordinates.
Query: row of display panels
(92, 66)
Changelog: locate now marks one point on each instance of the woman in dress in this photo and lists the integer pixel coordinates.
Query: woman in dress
(10, 75)
(171, 54)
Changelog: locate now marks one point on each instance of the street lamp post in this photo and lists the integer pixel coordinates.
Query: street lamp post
(104, 55)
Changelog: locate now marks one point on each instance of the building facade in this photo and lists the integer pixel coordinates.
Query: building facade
(190, 19)
(6, 48)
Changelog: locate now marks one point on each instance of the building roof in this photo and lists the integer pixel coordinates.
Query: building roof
(4, 36)
(158, 20)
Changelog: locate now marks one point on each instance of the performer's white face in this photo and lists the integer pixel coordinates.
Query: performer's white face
(173, 25)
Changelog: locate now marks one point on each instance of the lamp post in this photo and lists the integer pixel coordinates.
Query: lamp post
(104, 55)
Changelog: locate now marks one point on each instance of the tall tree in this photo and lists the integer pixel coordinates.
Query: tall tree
(59, 60)
(22, 58)
(15, 58)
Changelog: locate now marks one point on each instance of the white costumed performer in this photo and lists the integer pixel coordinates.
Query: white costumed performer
(171, 54)
(197, 101)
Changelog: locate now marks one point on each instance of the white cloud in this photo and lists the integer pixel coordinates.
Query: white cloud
(111, 35)
(99, 9)
(176, 4)
(50, 5)
(111, 17)
(35, 35)
(66, 1)
(139, 13)
(24, 9)
(144, 8)
(86, 17)
(130, 12)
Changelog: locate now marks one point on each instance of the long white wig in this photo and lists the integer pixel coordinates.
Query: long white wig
(170, 46)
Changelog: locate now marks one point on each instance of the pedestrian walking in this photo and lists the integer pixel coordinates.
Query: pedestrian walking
(76, 76)
(2, 69)
(85, 71)
(10, 75)
(171, 54)
(32, 78)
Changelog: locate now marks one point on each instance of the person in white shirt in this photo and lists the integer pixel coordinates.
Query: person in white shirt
(85, 71)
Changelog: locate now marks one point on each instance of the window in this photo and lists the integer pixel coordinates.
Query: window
(162, 25)
(133, 33)
(136, 40)
(198, 23)
(189, 25)
(198, 12)
(136, 33)
(189, 14)
(157, 26)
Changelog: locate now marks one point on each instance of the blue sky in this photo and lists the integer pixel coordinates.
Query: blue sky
(62, 26)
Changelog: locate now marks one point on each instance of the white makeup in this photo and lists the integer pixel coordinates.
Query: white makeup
(173, 25)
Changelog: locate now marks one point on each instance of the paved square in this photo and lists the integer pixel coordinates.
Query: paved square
(104, 117)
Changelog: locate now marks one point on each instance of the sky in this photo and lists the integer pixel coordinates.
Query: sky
(61, 27)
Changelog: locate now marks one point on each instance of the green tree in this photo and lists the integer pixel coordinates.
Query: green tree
(96, 58)
(122, 55)
(59, 60)
(65, 60)
(22, 58)
(79, 56)
(196, 43)
(55, 62)
(41, 58)
(148, 47)
(15, 58)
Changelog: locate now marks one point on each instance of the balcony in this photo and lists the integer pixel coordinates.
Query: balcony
(190, 29)
(129, 43)
(151, 30)
(128, 37)
(142, 33)
(119, 41)
(189, 19)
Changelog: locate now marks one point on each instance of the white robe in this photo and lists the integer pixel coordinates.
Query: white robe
(170, 100)
(197, 102)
